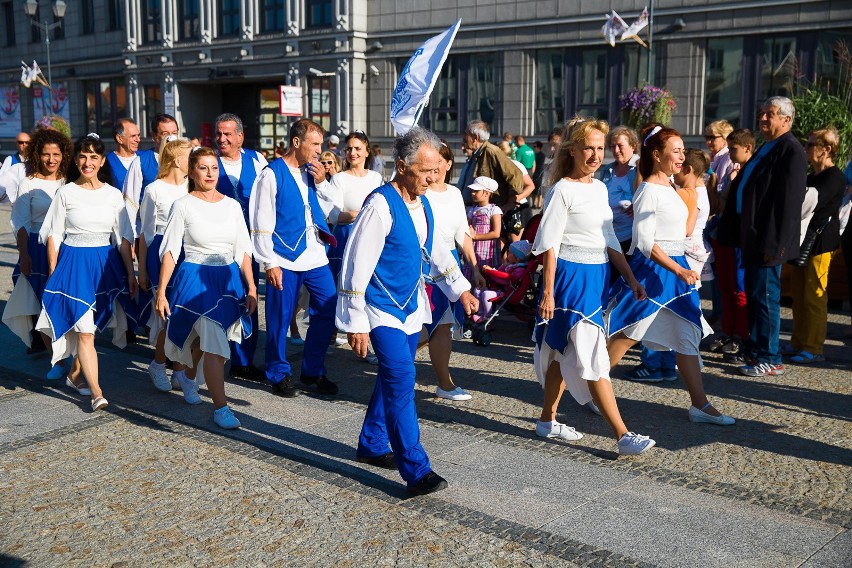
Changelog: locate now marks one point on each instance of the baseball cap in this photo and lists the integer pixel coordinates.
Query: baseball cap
(484, 183)
(333, 139)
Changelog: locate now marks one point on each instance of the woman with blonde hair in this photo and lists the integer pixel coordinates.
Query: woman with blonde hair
(809, 275)
(716, 138)
(577, 243)
(329, 162)
(170, 185)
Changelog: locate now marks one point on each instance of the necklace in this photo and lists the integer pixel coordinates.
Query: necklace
(413, 206)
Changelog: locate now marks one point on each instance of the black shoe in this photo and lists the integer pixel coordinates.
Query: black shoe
(429, 483)
(386, 461)
(732, 347)
(324, 386)
(247, 373)
(285, 388)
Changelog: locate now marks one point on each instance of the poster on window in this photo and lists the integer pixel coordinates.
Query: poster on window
(44, 104)
(10, 111)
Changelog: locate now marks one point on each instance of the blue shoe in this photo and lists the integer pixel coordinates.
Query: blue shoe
(224, 418)
(668, 374)
(642, 374)
(296, 341)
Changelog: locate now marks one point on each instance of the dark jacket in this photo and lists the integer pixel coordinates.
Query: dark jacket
(830, 185)
(493, 163)
(771, 217)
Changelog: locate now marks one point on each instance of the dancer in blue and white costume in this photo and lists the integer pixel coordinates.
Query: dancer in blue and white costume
(208, 300)
(289, 232)
(452, 230)
(382, 299)
(238, 171)
(125, 132)
(90, 284)
(577, 241)
(49, 158)
(671, 317)
(170, 185)
(145, 166)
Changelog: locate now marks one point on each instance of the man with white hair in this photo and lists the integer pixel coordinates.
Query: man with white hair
(125, 131)
(486, 159)
(763, 217)
(382, 299)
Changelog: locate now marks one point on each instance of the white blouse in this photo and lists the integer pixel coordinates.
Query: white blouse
(353, 191)
(77, 211)
(156, 206)
(34, 198)
(360, 259)
(262, 220)
(450, 215)
(204, 228)
(576, 215)
(659, 214)
(133, 188)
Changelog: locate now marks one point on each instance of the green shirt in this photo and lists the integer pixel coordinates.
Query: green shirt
(526, 156)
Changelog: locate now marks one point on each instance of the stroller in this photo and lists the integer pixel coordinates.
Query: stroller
(518, 292)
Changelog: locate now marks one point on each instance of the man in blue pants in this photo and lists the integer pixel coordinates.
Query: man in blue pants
(383, 299)
(238, 170)
(287, 214)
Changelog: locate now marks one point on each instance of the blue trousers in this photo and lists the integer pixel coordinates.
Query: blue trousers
(658, 359)
(391, 415)
(242, 354)
(763, 293)
(280, 305)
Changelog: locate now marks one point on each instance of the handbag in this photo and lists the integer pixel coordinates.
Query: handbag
(808, 244)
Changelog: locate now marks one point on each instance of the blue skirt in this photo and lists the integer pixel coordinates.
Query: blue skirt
(215, 293)
(152, 265)
(85, 279)
(664, 289)
(580, 292)
(440, 304)
(38, 276)
(25, 300)
(335, 253)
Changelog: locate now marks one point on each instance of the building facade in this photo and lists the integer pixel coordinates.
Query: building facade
(524, 67)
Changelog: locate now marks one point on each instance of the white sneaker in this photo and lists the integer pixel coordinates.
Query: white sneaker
(456, 394)
(224, 418)
(632, 444)
(698, 415)
(159, 376)
(340, 340)
(556, 430)
(189, 388)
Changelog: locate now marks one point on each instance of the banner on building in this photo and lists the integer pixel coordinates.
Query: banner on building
(290, 100)
(44, 104)
(418, 78)
(10, 111)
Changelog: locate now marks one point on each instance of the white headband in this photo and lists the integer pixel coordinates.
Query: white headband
(651, 134)
(171, 138)
(93, 135)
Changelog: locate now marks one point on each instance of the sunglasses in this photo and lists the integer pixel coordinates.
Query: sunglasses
(812, 144)
(22, 142)
(709, 138)
(328, 163)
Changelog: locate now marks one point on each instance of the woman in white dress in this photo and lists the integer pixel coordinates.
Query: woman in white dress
(354, 184)
(48, 158)
(91, 284)
(577, 242)
(213, 292)
(671, 319)
(169, 186)
(452, 230)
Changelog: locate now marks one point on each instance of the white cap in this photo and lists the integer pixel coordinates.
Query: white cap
(484, 183)
(333, 139)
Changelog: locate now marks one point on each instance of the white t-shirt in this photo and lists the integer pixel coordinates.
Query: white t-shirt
(201, 227)
(156, 205)
(450, 215)
(34, 198)
(354, 190)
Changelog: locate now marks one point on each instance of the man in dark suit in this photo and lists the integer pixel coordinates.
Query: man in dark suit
(763, 217)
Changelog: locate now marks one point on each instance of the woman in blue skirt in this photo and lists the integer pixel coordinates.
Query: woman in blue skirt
(577, 241)
(671, 317)
(169, 186)
(48, 158)
(208, 303)
(91, 282)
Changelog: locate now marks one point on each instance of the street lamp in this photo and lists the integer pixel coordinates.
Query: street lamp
(45, 27)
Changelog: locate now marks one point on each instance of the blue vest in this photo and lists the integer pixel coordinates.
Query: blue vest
(150, 169)
(117, 170)
(242, 192)
(289, 240)
(15, 160)
(395, 284)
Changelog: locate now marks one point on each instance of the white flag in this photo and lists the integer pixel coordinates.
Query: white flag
(636, 27)
(25, 75)
(418, 78)
(613, 27)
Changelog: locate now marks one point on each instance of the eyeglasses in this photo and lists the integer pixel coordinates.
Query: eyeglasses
(710, 138)
(22, 142)
(327, 163)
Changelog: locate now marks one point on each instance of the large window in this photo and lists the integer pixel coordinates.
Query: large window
(549, 89)
(153, 103)
(272, 15)
(724, 80)
(318, 13)
(229, 17)
(274, 128)
(319, 101)
(483, 99)
(467, 89)
(593, 84)
(9, 17)
(444, 105)
(106, 101)
(87, 9)
(113, 15)
(152, 30)
(777, 67)
(188, 20)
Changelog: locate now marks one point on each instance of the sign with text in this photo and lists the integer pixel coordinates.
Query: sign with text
(10, 111)
(290, 100)
(46, 103)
